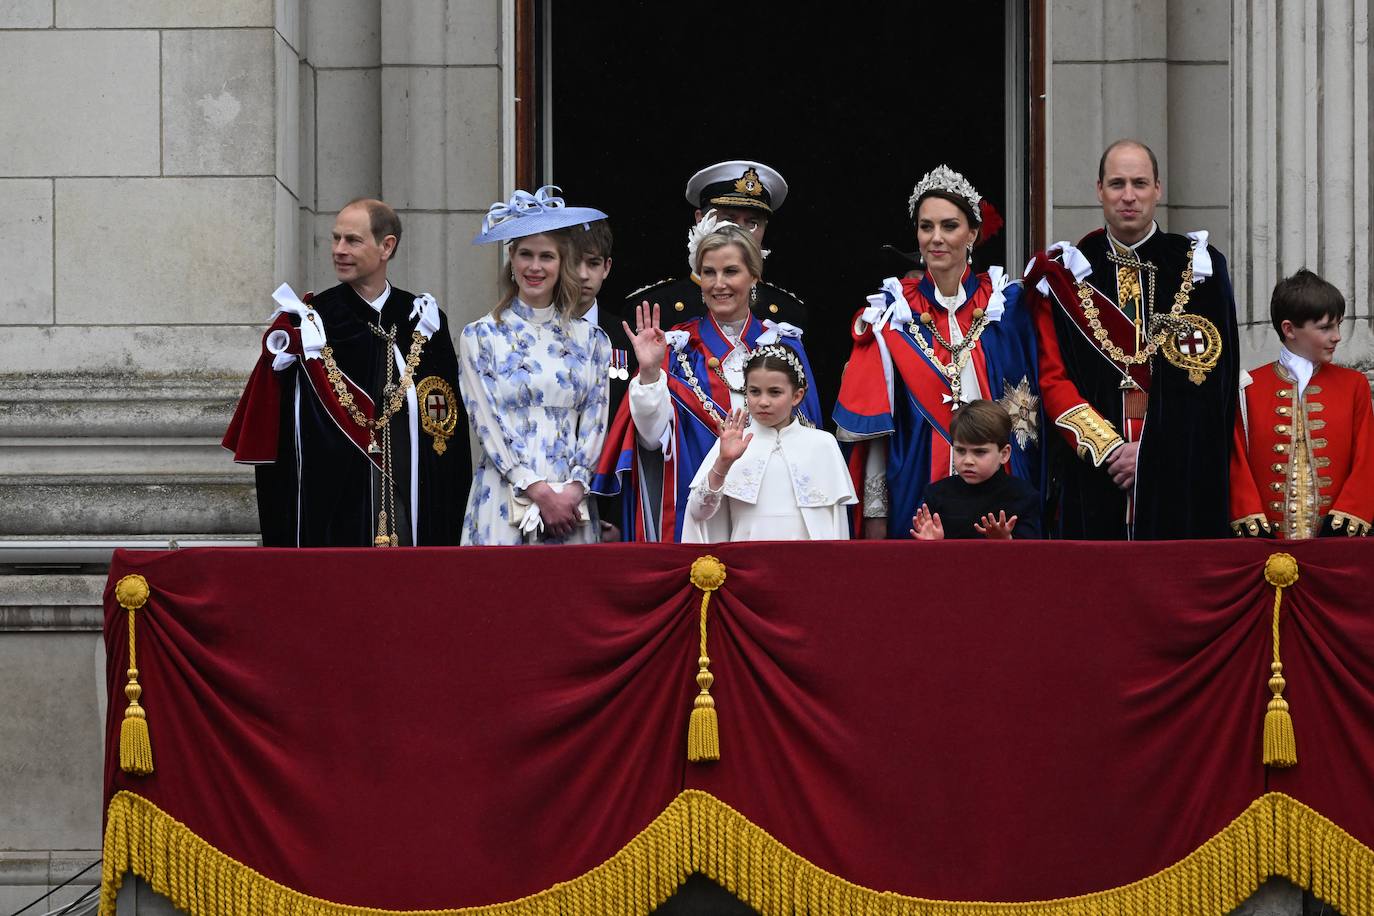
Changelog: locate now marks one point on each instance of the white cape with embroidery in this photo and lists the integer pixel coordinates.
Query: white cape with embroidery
(789, 485)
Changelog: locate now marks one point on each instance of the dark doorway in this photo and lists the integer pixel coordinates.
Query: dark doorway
(851, 103)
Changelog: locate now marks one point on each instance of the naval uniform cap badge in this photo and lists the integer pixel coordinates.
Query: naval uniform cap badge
(749, 184)
(438, 410)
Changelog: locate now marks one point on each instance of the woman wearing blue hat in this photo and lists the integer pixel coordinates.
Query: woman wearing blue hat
(534, 381)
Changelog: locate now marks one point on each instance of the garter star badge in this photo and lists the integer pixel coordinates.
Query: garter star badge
(438, 410)
(1194, 345)
(1024, 410)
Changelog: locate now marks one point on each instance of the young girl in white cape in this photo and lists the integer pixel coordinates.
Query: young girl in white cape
(770, 477)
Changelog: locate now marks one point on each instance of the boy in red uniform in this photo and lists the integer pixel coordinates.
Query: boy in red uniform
(1302, 463)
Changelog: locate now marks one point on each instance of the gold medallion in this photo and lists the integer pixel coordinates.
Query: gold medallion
(438, 410)
(1194, 346)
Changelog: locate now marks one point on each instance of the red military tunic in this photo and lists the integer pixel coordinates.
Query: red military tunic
(1303, 462)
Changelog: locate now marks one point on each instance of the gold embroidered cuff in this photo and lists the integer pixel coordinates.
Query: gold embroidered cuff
(1094, 437)
(1251, 526)
(1353, 526)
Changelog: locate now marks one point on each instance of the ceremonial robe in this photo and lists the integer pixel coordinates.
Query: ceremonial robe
(1302, 462)
(317, 484)
(619, 371)
(1179, 403)
(656, 477)
(896, 397)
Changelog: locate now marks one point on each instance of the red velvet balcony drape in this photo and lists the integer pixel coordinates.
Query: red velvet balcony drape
(438, 728)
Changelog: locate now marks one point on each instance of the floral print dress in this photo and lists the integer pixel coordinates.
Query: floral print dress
(536, 391)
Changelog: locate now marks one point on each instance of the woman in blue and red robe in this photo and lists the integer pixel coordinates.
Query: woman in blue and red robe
(926, 345)
(690, 378)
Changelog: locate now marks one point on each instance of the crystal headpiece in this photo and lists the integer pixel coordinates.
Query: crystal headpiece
(943, 178)
(784, 353)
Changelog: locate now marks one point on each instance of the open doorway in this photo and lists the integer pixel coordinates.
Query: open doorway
(851, 104)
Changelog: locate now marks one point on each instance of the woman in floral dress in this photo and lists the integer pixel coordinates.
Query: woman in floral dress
(534, 382)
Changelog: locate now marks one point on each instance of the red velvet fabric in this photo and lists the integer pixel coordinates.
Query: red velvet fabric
(449, 727)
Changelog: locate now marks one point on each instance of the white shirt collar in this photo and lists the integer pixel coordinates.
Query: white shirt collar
(1154, 227)
(1300, 367)
(593, 313)
(380, 300)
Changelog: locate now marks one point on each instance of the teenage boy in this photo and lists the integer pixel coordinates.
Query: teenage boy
(592, 245)
(1302, 461)
(980, 499)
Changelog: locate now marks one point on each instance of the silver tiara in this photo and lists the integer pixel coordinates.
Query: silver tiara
(786, 354)
(944, 178)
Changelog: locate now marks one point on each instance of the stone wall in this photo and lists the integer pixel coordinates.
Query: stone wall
(164, 166)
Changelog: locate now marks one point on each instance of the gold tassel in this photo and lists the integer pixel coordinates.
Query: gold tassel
(135, 747)
(703, 733)
(1280, 747)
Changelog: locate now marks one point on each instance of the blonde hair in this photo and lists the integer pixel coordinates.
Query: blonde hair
(730, 234)
(566, 296)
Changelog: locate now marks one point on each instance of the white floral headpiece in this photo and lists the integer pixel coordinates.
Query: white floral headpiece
(784, 353)
(943, 178)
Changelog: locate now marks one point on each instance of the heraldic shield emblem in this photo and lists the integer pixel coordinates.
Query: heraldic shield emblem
(438, 410)
(1194, 345)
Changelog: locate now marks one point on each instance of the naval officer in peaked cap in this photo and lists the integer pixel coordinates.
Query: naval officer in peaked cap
(743, 192)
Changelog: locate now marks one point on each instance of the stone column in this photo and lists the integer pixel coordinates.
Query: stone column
(442, 145)
(1153, 70)
(1301, 146)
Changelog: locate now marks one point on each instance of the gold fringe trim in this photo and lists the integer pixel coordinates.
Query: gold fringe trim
(1276, 835)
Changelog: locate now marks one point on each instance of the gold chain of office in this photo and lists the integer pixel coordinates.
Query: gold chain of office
(1159, 330)
(397, 393)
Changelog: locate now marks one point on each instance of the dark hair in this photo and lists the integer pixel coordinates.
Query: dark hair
(1304, 297)
(975, 219)
(1102, 163)
(767, 361)
(594, 239)
(383, 219)
(980, 423)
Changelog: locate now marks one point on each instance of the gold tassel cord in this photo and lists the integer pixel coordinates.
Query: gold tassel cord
(703, 733)
(1280, 745)
(135, 746)
(1275, 835)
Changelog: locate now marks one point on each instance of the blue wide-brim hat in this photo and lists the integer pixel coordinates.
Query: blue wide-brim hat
(530, 214)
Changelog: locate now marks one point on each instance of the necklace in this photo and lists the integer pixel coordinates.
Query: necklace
(1159, 326)
(959, 354)
(395, 394)
(692, 382)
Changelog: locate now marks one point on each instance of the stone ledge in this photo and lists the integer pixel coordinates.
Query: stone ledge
(100, 507)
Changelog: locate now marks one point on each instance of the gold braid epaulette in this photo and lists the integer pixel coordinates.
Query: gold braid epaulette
(1097, 437)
